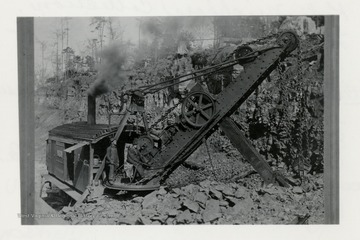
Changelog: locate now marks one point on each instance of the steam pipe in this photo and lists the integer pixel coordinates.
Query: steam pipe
(91, 119)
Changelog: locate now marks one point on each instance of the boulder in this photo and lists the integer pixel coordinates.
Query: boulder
(297, 190)
(144, 220)
(243, 207)
(212, 211)
(174, 195)
(242, 192)
(149, 212)
(172, 212)
(161, 191)
(156, 222)
(199, 218)
(170, 221)
(177, 191)
(219, 187)
(215, 193)
(205, 184)
(268, 199)
(200, 197)
(191, 205)
(149, 200)
(190, 190)
(237, 208)
(224, 203)
(129, 220)
(169, 202)
(184, 217)
(229, 191)
(232, 200)
(138, 199)
(160, 218)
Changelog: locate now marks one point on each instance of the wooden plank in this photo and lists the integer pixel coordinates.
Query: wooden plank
(63, 186)
(238, 140)
(76, 135)
(59, 160)
(81, 136)
(99, 171)
(82, 198)
(80, 128)
(122, 125)
(75, 131)
(99, 127)
(86, 127)
(66, 175)
(62, 139)
(79, 145)
(91, 164)
(74, 138)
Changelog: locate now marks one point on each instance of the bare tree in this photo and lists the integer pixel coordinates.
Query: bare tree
(116, 31)
(99, 24)
(56, 61)
(62, 42)
(43, 45)
(41, 69)
(91, 51)
(67, 29)
(112, 32)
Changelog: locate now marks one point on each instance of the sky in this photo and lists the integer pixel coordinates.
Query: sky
(81, 30)
(79, 33)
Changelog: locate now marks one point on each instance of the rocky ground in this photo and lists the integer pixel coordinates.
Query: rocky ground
(215, 186)
(220, 190)
(226, 191)
(209, 202)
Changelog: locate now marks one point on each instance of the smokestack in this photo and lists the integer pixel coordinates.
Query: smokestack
(91, 119)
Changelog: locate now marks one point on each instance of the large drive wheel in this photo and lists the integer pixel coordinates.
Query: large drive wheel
(198, 108)
(288, 40)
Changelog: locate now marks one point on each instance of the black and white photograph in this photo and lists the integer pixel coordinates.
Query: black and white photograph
(179, 120)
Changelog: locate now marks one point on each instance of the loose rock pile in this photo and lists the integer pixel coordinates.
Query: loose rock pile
(209, 202)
